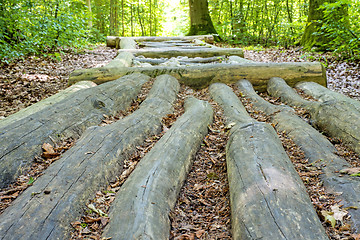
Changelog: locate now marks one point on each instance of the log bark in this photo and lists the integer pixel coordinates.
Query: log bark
(323, 94)
(199, 77)
(111, 41)
(142, 206)
(157, 61)
(127, 43)
(268, 199)
(336, 118)
(169, 53)
(45, 210)
(123, 59)
(26, 112)
(317, 149)
(21, 141)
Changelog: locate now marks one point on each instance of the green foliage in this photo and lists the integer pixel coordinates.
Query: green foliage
(342, 27)
(40, 27)
(265, 22)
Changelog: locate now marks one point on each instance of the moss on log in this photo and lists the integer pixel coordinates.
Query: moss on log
(142, 206)
(21, 141)
(336, 118)
(268, 199)
(26, 112)
(317, 149)
(199, 77)
(45, 210)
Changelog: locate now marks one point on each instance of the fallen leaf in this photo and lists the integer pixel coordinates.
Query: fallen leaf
(328, 217)
(48, 148)
(350, 171)
(339, 214)
(199, 233)
(88, 219)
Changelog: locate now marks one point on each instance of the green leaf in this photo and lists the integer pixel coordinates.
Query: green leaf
(31, 180)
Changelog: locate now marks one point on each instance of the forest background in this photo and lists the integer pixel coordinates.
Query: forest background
(48, 27)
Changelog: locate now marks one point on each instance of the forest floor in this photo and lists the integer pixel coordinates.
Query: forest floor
(202, 210)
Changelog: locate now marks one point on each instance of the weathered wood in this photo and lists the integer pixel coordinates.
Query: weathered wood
(268, 199)
(336, 118)
(142, 205)
(202, 43)
(323, 94)
(127, 43)
(169, 53)
(199, 77)
(317, 149)
(46, 102)
(21, 141)
(157, 61)
(45, 210)
(113, 41)
(123, 59)
(237, 59)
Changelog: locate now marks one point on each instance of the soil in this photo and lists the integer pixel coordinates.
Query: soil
(202, 210)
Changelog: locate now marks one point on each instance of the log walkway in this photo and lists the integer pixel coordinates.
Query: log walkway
(268, 199)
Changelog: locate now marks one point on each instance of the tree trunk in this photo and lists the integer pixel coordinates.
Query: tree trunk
(26, 112)
(21, 141)
(199, 77)
(88, 4)
(314, 23)
(142, 206)
(200, 21)
(57, 198)
(336, 118)
(317, 149)
(268, 199)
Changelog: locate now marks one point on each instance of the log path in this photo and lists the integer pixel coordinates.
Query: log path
(212, 171)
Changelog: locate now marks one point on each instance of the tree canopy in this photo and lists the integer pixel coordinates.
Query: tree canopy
(44, 27)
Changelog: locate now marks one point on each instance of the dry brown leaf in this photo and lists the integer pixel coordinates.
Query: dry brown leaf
(199, 233)
(48, 148)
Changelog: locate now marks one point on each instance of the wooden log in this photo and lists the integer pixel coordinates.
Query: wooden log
(142, 205)
(112, 40)
(268, 199)
(323, 94)
(336, 118)
(26, 112)
(202, 43)
(237, 59)
(45, 210)
(169, 53)
(317, 149)
(157, 61)
(127, 43)
(199, 77)
(123, 59)
(21, 141)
